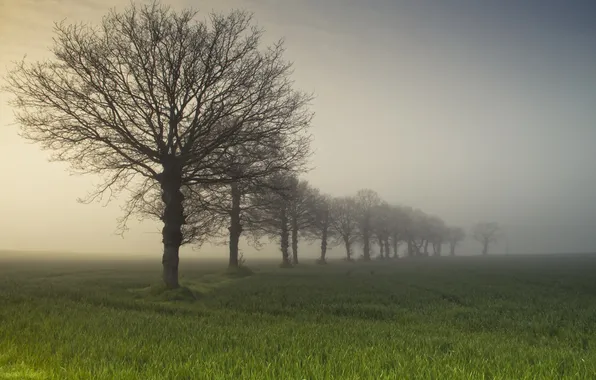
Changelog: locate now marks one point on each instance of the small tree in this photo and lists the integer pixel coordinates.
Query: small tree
(486, 233)
(456, 235)
(152, 99)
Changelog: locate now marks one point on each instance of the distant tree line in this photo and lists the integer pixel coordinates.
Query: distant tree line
(202, 129)
(288, 210)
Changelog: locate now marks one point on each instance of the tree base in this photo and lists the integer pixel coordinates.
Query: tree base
(321, 261)
(286, 264)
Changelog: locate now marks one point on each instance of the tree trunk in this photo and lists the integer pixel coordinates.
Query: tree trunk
(426, 248)
(173, 218)
(294, 240)
(366, 247)
(387, 247)
(381, 249)
(410, 248)
(235, 226)
(452, 246)
(285, 239)
(485, 248)
(348, 249)
(324, 244)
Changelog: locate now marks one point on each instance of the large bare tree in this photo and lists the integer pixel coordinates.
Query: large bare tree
(152, 99)
(486, 233)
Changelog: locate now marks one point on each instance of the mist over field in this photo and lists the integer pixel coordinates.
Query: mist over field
(469, 110)
(258, 189)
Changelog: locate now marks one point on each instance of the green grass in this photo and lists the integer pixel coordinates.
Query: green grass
(460, 318)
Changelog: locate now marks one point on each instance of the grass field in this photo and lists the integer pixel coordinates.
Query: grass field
(461, 318)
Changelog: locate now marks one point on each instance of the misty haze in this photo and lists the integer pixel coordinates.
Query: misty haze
(250, 189)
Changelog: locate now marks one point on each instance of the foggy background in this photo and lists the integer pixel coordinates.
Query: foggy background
(470, 110)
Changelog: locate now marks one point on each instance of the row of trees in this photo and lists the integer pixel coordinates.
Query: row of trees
(288, 210)
(201, 127)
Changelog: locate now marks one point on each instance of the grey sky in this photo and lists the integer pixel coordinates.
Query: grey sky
(470, 110)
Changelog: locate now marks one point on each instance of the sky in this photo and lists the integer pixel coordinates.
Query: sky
(470, 110)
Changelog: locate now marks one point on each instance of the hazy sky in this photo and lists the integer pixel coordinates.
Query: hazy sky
(471, 110)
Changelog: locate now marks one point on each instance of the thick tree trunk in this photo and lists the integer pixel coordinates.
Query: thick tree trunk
(426, 248)
(324, 244)
(235, 226)
(285, 243)
(381, 249)
(294, 241)
(173, 218)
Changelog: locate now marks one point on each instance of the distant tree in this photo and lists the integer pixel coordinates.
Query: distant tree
(486, 233)
(380, 224)
(417, 232)
(366, 200)
(270, 214)
(456, 235)
(302, 211)
(437, 234)
(398, 219)
(344, 222)
(152, 99)
(322, 226)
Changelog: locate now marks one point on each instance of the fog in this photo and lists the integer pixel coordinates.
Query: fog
(468, 110)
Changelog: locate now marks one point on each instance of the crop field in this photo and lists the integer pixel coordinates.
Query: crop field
(510, 317)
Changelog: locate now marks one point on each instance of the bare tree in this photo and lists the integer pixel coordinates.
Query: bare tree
(416, 232)
(398, 220)
(151, 100)
(456, 235)
(437, 234)
(251, 168)
(301, 205)
(486, 233)
(270, 214)
(366, 201)
(344, 222)
(321, 228)
(381, 228)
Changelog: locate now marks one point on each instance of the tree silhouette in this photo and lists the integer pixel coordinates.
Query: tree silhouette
(456, 235)
(152, 100)
(486, 233)
(366, 200)
(344, 221)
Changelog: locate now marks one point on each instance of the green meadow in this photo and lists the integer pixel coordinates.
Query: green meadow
(509, 317)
